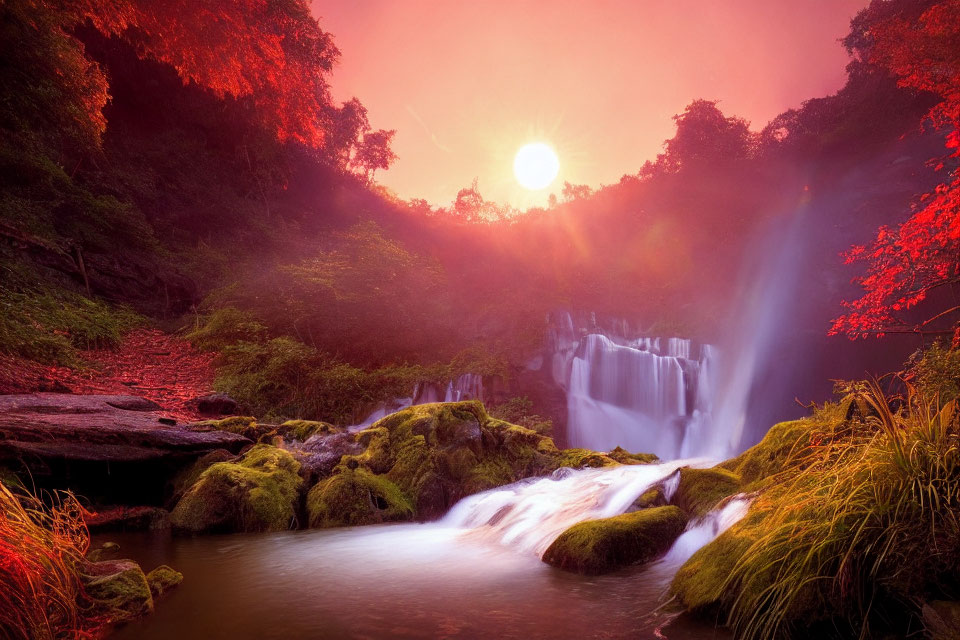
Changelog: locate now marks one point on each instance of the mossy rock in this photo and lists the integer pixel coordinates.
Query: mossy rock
(772, 454)
(303, 429)
(356, 497)
(436, 454)
(117, 590)
(583, 458)
(256, 493)
(600, 546)
(700, 490)
(187, 477)
(162, 579)
(652, 497)
(623, 456)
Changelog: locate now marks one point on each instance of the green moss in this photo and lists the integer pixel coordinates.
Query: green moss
(162, 579)
(600, 546)
(581, 458)
(653, 497)
(303, 429)
(117, 589)
(438, 453)
(187, 477)
(625, 457)
(356, 497)
(700, 490)
(771, 455)
(256, 493)
(701, 582)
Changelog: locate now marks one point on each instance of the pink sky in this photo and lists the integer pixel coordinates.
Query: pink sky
(465, 84)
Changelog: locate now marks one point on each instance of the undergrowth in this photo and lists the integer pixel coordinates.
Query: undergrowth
(41, 549)
(859, 527)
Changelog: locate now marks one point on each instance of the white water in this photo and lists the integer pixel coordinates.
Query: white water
(529, 515)
(646, 394)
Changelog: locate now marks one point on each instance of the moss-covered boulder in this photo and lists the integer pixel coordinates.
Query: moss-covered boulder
(258, 492)
(302, 430)
(623, 456)
(162, 579)
(187, 477)
(583, 458)
(356, 497)
(600, 546)
(700, 490)
(783, 443)
(117, 590)
(436, 454)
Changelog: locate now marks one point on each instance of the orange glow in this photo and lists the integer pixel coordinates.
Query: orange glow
(466, 83)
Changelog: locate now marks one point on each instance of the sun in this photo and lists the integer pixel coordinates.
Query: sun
(535, 166)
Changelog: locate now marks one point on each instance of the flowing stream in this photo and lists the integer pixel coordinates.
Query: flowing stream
(475, 573)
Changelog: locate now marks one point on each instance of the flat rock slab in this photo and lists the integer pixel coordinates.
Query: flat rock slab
(99, 428)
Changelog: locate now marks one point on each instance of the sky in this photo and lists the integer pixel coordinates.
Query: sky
(466, 84)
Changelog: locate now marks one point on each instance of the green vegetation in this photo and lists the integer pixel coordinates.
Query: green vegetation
(600, 546)
(701, 490)
(519, 410)
(356, 497)
(433, 454)
(256, 493)
(162, 579)
(50, 325)
(855, 525)
(118, 589)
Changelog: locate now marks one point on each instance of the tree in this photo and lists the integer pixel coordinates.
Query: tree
(573, 192)
(704, 137)
(374, 152)
(270, 53)
(906, 264)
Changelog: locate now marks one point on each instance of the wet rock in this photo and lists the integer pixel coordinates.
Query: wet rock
(117, 589)
(162, 579)
(600, 546)
(215, 404)
(321, 454)
(258, 492)
(92, 428)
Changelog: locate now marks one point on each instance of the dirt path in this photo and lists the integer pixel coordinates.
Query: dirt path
(150, 363)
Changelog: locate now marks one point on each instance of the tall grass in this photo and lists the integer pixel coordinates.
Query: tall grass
(41, 550)
(868, 519)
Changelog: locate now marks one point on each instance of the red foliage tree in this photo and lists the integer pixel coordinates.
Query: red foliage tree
(270, 52)
(904, 265)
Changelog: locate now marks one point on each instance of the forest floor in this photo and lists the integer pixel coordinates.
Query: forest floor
(149, 363)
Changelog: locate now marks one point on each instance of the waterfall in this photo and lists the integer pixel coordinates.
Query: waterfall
(646, 394)
(529, 515)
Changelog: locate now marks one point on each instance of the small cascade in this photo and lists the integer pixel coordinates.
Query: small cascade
(703, 531)
(529, 515)
(643, 394)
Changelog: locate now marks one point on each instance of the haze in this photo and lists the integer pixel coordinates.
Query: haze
(601, 85)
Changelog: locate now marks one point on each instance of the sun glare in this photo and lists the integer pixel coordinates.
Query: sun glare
(535, 166)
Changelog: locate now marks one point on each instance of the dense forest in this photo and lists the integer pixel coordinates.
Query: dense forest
(183, 167)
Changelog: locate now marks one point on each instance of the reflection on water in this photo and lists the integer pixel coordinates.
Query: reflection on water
(390, 581)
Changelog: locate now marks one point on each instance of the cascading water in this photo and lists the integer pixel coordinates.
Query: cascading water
(645, 394)
(529, 515)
